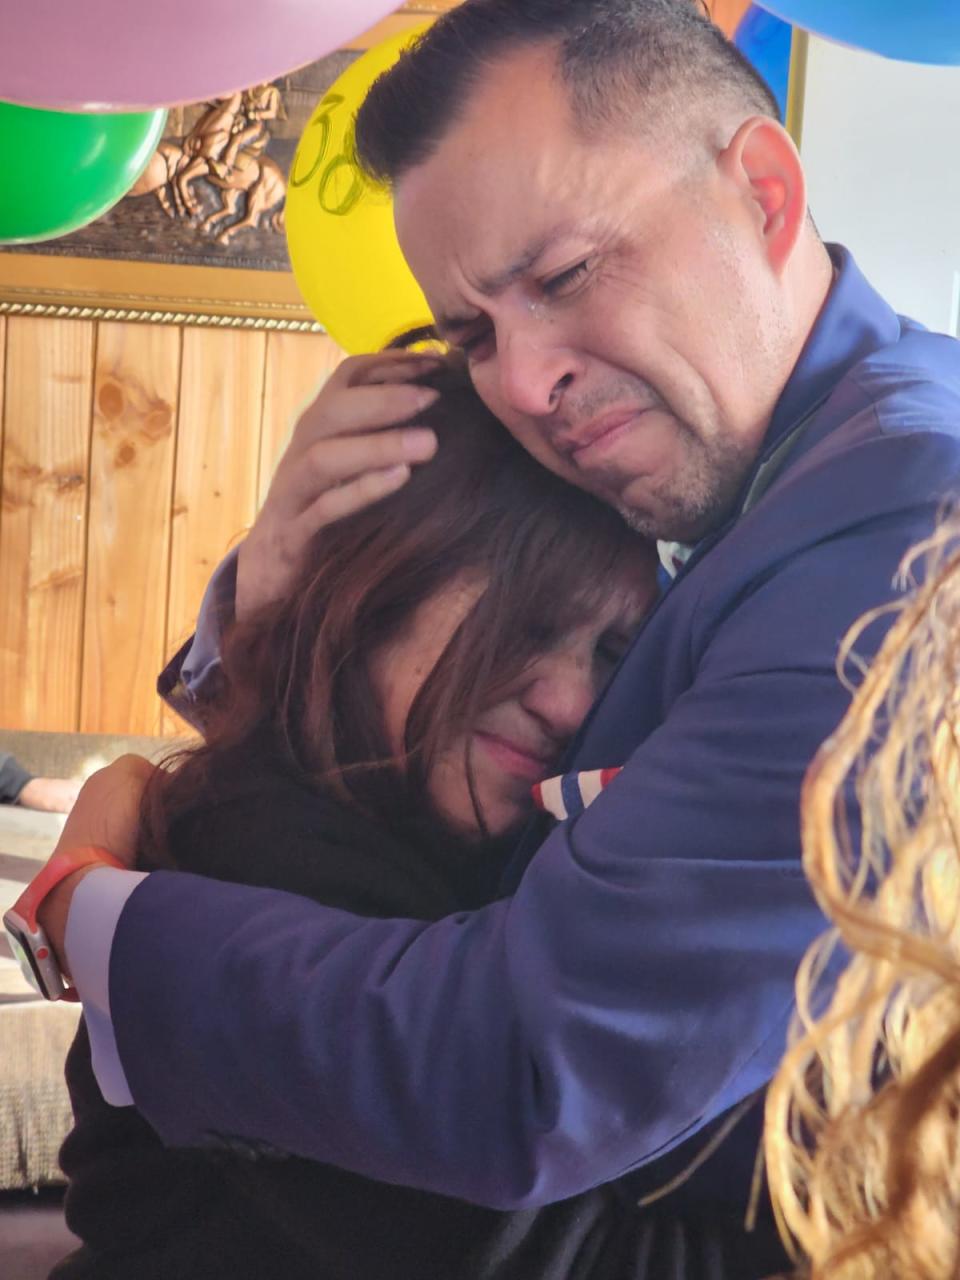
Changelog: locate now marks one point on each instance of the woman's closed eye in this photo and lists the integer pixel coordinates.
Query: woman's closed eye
(610, 649)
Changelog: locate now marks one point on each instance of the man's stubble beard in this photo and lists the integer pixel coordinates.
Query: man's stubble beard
(693, 504)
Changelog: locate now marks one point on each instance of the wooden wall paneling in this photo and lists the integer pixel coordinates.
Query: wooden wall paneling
(49, 369)
(128, 544)
(217, 465)
(3, 352)
(297, 365)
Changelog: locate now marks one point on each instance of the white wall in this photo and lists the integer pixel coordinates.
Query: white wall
(881, 146)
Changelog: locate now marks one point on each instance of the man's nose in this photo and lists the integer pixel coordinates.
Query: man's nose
(560, 691)
(534, 371)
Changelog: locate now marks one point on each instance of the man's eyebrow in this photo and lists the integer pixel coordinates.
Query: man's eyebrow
(450, 326)
(493, 284)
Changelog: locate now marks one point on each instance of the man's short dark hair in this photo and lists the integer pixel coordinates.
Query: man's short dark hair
(611, 54)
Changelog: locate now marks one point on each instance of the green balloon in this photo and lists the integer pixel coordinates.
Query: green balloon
(60, 170)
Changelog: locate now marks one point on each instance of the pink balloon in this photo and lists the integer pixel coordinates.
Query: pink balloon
(131, 55)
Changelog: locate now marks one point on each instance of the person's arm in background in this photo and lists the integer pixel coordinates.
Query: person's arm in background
(13, 778)
(50, 795)
(349, 449)
(46, 795)
(637, 984)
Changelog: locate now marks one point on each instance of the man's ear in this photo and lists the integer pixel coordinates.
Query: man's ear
(764, 163)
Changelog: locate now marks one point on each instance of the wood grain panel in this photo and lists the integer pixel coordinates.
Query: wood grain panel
(128, 544)
(44, 499)
(297, 365)
(3, 354)
(218, 458)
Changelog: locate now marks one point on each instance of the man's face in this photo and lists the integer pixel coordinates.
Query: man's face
(616, 306)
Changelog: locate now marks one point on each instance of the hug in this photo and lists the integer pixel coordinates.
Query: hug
(354, 1005)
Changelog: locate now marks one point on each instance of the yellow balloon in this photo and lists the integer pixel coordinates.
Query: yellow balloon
(343, 247)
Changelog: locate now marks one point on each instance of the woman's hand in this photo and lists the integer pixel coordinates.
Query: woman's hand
(107, 814)
(348, 451)
(107, 810)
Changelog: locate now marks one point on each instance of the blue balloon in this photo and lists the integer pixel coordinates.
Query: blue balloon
(766, 42)
(911, 30)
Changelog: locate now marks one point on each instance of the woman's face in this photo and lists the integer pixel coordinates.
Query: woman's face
(518, 740)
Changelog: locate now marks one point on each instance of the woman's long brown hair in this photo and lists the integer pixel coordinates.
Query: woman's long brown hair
(862, 1138)
(298, 675)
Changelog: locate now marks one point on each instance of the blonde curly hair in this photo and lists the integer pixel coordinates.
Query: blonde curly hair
(862, 1139)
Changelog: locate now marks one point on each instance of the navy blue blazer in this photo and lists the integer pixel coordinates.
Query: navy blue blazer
(637, 983)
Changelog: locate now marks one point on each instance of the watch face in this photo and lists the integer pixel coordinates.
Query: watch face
(23, 952)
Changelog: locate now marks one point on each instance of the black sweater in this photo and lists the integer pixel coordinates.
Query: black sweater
(149, 1213)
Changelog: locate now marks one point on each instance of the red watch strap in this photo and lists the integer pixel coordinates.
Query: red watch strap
(62, 864)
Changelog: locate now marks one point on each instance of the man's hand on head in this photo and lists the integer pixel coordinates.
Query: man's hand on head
(106, 814)
(349, 449)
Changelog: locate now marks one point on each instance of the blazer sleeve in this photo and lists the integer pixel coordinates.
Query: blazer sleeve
(636, 985)
(192, 675)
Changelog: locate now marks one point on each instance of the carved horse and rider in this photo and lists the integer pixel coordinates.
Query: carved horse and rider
(226, 147)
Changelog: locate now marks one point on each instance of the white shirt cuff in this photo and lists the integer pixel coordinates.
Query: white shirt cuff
(91, 924)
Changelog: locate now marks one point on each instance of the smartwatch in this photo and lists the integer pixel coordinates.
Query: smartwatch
(30, 945)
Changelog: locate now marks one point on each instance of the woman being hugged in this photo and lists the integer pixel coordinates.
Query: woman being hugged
(373, 746)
